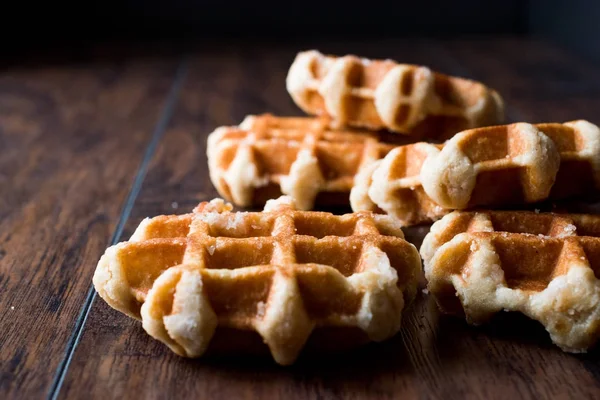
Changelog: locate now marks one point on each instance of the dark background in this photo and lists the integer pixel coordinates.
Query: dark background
(90, 148)
(36, 26)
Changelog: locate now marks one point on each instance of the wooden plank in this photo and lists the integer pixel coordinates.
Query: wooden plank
(72, 138)
(432, 357)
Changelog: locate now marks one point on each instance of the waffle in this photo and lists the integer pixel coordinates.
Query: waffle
(515, 164)
(543, 265)
(382, 94)
(267, 156)
(214, 280)
(393, 186)
(499, 166)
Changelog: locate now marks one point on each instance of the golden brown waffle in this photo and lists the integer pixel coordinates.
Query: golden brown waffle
(378, 94)
(515, 164)
(542, 265)
(498, 166)
(216, 279)
(267, 156)
(393, 186)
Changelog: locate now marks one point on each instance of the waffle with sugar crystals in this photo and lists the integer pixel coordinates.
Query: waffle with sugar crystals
(514, 164)
(266, 156)
(377, 94)
(393, 186)
(217, 279)
(543, 265)
(498, 166)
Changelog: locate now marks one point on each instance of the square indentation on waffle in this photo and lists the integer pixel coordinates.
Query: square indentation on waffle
(394, 186)
(496, 166)
(544, 265)
(508, 164)
(514, 164)
(280, 272)
(299, 157)
(377, 94)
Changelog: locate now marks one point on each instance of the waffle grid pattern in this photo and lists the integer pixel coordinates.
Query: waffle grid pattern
(301, 156)
(542, 265)
(378, 94)
(493, 167)
(392, 185)
(513, 164)
(281, 273)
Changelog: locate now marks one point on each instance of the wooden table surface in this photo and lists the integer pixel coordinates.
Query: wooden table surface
(88, 149)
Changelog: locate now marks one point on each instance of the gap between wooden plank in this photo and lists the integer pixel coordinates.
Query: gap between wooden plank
(159, 130)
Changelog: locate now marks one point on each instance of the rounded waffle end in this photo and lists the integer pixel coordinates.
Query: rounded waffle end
(304, 180)
(399, 113)
(359, 194)
(591, 135)
(110, 283)
(569, 308)
(449, 177)
(300, 77)
(434, 238)
(381, 310)
(177, 313)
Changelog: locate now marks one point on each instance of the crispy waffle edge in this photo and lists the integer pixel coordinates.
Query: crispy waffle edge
(178, 311)
(482, 262)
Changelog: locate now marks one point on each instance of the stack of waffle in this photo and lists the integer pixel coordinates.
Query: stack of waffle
(401, 145)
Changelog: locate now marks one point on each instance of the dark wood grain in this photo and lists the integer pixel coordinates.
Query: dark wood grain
(71, 140)
(434, 356)
(539, 83)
